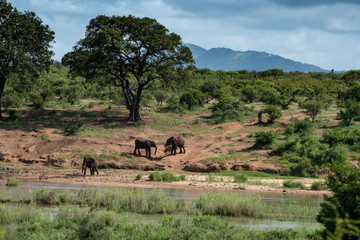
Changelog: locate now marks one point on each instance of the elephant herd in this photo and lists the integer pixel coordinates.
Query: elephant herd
(173, 142)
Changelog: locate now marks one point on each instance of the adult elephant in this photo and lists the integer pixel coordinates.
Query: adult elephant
(145, 143)
(175, 142)
(91, 163)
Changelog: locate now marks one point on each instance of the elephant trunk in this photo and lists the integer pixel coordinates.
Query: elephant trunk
(155, 150)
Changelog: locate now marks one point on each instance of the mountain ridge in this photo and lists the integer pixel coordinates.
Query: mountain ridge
(226, 59)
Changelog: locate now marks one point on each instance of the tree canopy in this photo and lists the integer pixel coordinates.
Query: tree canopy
(131, 52)
(24, 45)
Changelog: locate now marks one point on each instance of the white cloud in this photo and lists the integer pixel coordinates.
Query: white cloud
(327, 35)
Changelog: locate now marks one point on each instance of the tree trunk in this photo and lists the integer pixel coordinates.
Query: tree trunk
(135, 106)
(2, 85)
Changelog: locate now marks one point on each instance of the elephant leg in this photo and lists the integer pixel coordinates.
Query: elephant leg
(96, 171)
(184, 149)
(135, 151)
(84, 171)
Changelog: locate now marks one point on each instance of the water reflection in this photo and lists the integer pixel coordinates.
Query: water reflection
(188, 195)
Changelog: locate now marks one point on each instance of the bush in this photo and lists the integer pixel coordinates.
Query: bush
(240, 179)
(292, 184)
(273, 112)
(300, 127)
(229, 108)
(344, 182)
(10, 101)
(160, 96)
(263, 138)
(138, 177)
(12, 182)
(351, 110)
(318, 186)
(74, 126)
(163, 177)
(36, 100)
(312, 108)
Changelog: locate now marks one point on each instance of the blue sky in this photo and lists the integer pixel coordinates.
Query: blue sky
(325, 33)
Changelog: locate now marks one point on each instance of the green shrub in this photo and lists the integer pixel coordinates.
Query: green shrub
(263, 138)
(341, 210)
(318, 186)
(74, 126)
(10, 101)
(230, 108)
(312, 108)
(12, 182)
(163, 177)
(300, 127)
(138, 177)
(350, 110)
(273, 112)
(240, 179)
(160, 96)
(36, 100)
(292, 184)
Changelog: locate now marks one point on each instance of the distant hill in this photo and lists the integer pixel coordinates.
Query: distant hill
(229, 60)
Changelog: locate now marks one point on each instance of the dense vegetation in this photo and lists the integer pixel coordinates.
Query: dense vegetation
(303, 147)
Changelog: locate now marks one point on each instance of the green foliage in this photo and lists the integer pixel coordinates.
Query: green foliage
(229, 205)
(109, 39)
(249, 94)
(292, 184)
(354, 92)
(349, 136)
(240, 179)
(312, 108)
(350, 110)
(210, 89)
(273, 112)
(12, 101)
(160, 96)
(138, 177)
(344, 182)
(24, 45)
(12, 182)
(229, 108)
(300, 127)
(263, 138)
(163, 177)
(173, 103)
(318, 186)
(73, 126)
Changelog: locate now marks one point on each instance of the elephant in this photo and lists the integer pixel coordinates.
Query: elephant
(90, 163)
(175, 142)
(145, 143)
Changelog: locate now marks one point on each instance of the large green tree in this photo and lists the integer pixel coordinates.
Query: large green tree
(24, 45)
(131, 52)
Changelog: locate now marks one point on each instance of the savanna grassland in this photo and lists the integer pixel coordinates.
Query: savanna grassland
(229, 146)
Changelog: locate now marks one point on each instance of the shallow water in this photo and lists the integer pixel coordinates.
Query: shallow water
(188, 195)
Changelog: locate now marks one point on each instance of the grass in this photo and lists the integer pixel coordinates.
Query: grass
(223, 158)
(138, 201)
(292, 184)
(76, 222)
(165, 177)
(12, 182)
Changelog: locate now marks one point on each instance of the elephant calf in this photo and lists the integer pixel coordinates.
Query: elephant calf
(175, 142)
(90, 163)
(145, 143)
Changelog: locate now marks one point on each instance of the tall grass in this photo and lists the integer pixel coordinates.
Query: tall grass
(138, 201)
(231, 204)
(75, 222)
(112, 199)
